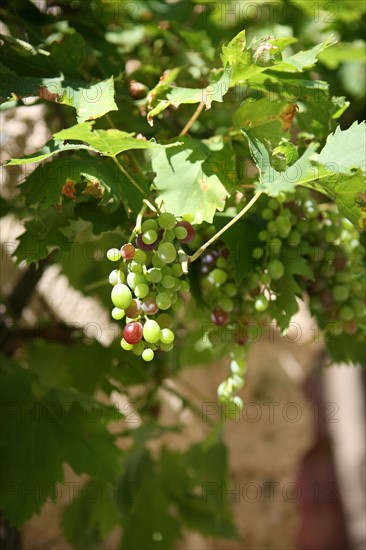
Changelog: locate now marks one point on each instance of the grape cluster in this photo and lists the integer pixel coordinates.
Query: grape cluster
(149, 282)
(296, 237)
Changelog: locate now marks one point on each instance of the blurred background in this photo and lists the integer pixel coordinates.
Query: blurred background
(297, 452)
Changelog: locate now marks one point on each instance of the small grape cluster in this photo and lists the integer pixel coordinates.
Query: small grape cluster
(291, 234)
(148, 283)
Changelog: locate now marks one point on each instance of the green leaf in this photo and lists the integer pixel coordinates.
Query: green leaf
(68, 54)
(341, 170)
(190, 178)
(58, 422)
(107, 142)
(174, 95)
(303, 59)
(91, 516)
(52, 147)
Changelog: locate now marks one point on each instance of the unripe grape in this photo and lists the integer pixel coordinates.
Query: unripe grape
(168, 281)
(261, 303)
(121, 296)
(148, 354)
(188, 217)
(151, 331)
(177, 270)
(167, 252)
(117, 313)
(125, 345)
(166, 220)
(140, 257)
(340, 293)
(134, 279)
(154, 275)
(138, 348)
(276, 269)
(141, 290)
(217, 276)
(346, 313)
(150, 236)
(163, 300)
(116, 276)
(167, 336)
(190, 232)
(164, 320)
(149, 224)
(113, 254)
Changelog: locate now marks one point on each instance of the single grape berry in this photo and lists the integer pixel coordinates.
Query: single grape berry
(113, 254)
(167, 252)
(134, 309)
(190, 232)
(167, 336)
(121, 296)
(219, 317)
(261, 303)
(144, 246)
(132, 333)
(276, 269)
(166, 220)
(148, 354)
(151, 331)
(149, 306)
(127, 251)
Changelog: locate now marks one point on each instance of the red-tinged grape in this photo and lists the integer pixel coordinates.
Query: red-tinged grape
(219, 317)
(134, 309)
(143, 246)
(127, 251)
(132, 333)
(190, 231)
(149, 306)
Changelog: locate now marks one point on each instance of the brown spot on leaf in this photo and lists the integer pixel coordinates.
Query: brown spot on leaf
(44, 93)
(69, 189)
(288, 115)
(94, 190)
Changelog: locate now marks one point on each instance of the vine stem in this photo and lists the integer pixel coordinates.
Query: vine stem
(128, 176)
(202, 248)
(137, 228)
(193, 119)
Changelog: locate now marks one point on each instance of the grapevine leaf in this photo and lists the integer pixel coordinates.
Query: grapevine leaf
(189, 178)
(87, 519)
(272, 182)
(174, 95)
(341, 167)
(52, 147)
(107, 142)
(57, 421)
(303, 59)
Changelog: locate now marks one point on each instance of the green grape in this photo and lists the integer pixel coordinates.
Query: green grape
(141, 290)
(303, 227)
(226, 304)
(177, 270)
(135, 267)
(272, 227)
(263, 235)
(273, 204)
(164, 320)
(156, 261)
(257, 253)
(114, 255)
(224, 391)
(163, 300)
(149, 224)
(283, 226)
(148, 354)
(150, 236)
(169, 235)
(267, 214)
(238, 366)
(121, 296)
(358, 307)
(178, 305)
(151, 331)
(125, 345)
(154, 275)
(140, 256)
(167, 336)
(342, 276)
(188, 217)
(166, 220)
(346, 313)
(340, 293)
(180, 232)
(230, 289)
(238, 402)
(134, 279)
(166, 270)
(236, 381)
(167, 252)
(116, 276)
(276, 269)
(294, 238)
(221, 263)
(166, 347)
(184, 286)
(138, 349)
(261, 303)
(117, 313)
(168, 281)
(217, 277)
(265, 278)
